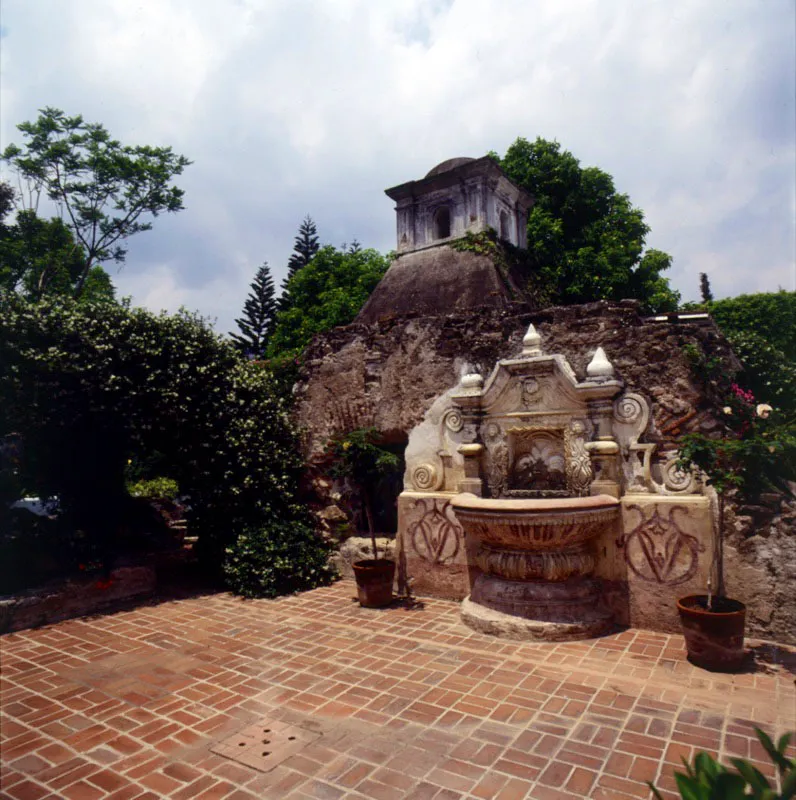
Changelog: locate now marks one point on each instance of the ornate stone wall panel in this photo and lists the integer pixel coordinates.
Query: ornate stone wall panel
(666, 549)
(432, 553)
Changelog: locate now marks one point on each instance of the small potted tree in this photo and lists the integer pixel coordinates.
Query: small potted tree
(754, 454)
(358, 457)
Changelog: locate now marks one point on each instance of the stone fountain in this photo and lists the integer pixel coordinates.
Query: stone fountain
(535, 560)
(535, 480)
(545, 444)
(537, 499)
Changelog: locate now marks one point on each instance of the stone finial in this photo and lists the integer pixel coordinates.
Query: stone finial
(600, 368)
(531, 342)
(472, 381)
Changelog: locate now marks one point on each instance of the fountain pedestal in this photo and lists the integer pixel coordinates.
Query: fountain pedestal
(535, 561)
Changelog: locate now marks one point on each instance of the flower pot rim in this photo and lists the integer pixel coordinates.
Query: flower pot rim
(706, 612)
(372, 563)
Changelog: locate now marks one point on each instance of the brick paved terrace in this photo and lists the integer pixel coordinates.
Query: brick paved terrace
(170, 699)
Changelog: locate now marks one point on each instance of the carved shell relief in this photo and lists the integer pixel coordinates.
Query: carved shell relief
(545, 390)
(531, 392)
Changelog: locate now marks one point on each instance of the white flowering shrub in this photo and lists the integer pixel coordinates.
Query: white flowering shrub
(86, 388)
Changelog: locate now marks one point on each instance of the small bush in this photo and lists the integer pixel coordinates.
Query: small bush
(706, 779)
(278, 558)
(155, 489)
(762, 331)
(767, 371)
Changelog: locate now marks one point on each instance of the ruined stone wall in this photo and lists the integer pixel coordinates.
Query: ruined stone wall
(389, 373)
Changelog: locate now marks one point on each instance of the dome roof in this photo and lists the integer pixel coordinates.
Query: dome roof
(446, 166)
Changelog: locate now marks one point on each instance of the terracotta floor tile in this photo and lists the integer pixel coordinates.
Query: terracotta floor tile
(403, 704)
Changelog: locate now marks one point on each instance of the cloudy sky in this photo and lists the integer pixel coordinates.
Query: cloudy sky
(289, 107)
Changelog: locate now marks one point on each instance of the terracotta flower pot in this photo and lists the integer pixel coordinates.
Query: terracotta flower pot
(714, 639)
(374, 582)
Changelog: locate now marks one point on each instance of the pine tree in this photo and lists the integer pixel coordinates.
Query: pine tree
(305, 247)
(704, 287)
(257, 323)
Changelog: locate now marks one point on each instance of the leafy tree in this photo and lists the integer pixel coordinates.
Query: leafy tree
(704, 288)
(328, 292)
(104, 190)
(7, 198)
(359, 456)
(259, 310)
(40, 257)
(305, 247)
(585, 239)
(304, 250)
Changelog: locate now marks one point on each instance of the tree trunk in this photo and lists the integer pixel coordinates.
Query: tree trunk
(720, 550)
(369, 518)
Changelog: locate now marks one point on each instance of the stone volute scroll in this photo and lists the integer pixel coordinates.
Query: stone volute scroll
(631, 414)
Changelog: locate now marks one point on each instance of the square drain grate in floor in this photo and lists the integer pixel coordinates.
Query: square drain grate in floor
(265, 745)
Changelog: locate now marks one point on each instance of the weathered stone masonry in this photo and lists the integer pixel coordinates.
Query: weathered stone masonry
(389, 373)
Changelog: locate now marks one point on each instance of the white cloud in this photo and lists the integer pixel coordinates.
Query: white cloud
(295, 106)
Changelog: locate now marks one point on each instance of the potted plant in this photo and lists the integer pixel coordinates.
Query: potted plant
(754, 454)
(358, 457)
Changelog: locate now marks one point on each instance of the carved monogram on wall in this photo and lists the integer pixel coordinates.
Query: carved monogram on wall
(658, 550)
(436, 534)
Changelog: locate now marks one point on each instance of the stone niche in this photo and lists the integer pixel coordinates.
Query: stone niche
(533, 430)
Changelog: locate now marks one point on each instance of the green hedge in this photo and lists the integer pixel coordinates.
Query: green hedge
(771, 316)
(85, 389)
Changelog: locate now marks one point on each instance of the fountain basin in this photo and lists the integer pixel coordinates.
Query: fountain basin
(535, 560)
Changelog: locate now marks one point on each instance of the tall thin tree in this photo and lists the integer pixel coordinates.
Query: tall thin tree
(257, 323)
(704, 288)
(304, 249)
